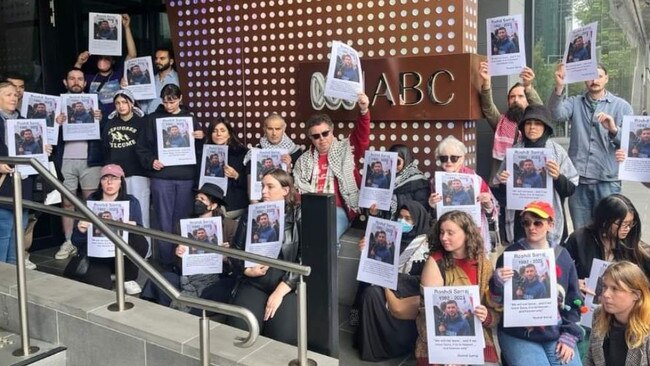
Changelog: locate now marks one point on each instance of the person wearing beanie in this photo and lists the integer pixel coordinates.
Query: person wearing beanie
(119, 138)
(536, 130)
(547, 345)
(112, 188)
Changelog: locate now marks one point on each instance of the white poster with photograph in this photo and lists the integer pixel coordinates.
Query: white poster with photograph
(635, 141)
(379, 263)
(37, 106)
(215, 158)
(27, 138)
(459, 193)
(175, 141)
(344, 75)
(138, 73)
(580, 54)
(265, 230)
(198, 261)
(507, 51)
(595, 284)
(529, 181)
(99, 245)
(530, 296)
(263, 161)
(105, 34)
(454, 334)
(378, 180)
(80, 123)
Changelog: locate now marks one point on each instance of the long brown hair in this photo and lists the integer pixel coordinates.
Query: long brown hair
(473, 239)
(631, 278)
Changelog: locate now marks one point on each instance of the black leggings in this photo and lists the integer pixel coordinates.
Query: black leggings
(282, 327)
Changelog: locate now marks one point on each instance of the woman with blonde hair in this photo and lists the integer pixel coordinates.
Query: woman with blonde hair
(621, 326)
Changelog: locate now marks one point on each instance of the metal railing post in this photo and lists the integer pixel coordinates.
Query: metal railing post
(204, 339)
(25, 348)
(302, 359)
(120, 304)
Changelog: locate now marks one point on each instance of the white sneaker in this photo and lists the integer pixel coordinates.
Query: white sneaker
(132, 288)
(29, 264)
(67, 250)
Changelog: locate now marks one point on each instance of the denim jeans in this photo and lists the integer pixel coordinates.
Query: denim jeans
(172, 201)
(586, 197)
(522, 352)
(342, 224)
(8, 235)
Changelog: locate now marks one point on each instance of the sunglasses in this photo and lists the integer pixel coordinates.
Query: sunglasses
(318, 136)
(528, 223)
(446, 158)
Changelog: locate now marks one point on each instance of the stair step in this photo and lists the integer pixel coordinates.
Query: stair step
(47, 355)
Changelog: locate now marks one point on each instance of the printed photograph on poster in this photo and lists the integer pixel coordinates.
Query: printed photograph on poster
(105, 34)
(99, 245)
(580, 54)
(80, 123)
(530, 296)
(27, 138)
(378, 179)
(459, 193)
(42, 106)
(378, 261)
(175, 141)
(529, 181)
(454, 334)
(344, 75)
(138, 73)
(265, 230)
(198, 261)
(635, 141)
(215, 158)
(263, 161)
(507, 51)
(595, 283)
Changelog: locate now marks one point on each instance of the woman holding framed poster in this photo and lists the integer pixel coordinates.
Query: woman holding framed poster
(457, 258)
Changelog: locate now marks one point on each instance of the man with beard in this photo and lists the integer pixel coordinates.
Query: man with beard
(453, 323)
(137, 77)
(105, 31)
(502, 44)
(530, 287)
(40, 111)
(642, 148)
(457, 195)
(79, 162)
(215, 168)
(380, 251)
(596, 117)
(164, 64)
(347, 70)
(107, 80)
(28, 146)
(376, 177)
(177, 139)
(80, 114)
(529, 177)
(579, 51)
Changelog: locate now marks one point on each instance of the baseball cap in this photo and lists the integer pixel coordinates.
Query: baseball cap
(541, 209)
(112, 169)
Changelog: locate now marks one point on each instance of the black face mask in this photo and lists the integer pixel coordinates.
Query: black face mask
(199, 208)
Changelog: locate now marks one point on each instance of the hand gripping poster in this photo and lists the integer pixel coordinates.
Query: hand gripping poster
(198, 261)
(105, 34)
(80, 123)
(175, 141)
(506, 50)
(379, 259)
(344, 75)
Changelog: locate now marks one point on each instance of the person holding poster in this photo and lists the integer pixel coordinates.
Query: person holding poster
(119, 138)
(269, 292)
(385, 318)
(457, 258)
(620, 333)
(536, 128)
(450, 152)
(276, 138)
(171, 186)
(221, 132)
(410, 185)
(329, 165)
(112, 187)
(596, 117)
(548, 344)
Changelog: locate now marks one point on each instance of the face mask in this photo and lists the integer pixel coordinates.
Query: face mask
(199, 208)
(406, 227)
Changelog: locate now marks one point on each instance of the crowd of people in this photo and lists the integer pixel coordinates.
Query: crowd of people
(451, 248)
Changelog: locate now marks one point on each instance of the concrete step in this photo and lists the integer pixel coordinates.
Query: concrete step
(47, 354)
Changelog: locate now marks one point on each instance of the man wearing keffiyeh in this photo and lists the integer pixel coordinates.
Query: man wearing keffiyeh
(276, 138)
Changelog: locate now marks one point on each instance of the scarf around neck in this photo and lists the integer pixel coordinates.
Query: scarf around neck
(286, 143)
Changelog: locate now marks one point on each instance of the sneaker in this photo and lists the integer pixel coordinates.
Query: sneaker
(132, 288)
(67, 250)
(29, 264)
(353, 317)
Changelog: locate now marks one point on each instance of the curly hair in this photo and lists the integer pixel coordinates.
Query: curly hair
(473, 239)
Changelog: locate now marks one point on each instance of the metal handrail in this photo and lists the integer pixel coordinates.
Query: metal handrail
(156, 277)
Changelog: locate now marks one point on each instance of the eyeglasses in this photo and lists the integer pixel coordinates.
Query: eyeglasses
(109, 178)
(446, 158)
(626, 225)
(528, 223)
(318, 136)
